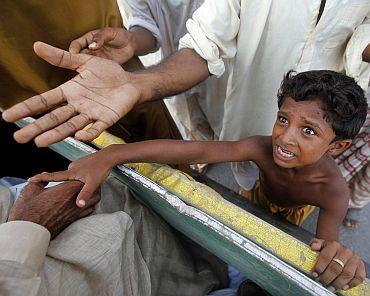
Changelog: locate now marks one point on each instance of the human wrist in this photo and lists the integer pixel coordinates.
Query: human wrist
(143, 82)
(143, 41)
(110, 156)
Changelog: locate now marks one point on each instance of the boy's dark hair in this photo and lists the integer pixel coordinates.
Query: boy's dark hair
(342, 98)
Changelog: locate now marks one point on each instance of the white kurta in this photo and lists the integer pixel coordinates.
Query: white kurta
(266, 39)
(199, 111)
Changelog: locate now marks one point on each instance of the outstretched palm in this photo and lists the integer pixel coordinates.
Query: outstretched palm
(100, 94)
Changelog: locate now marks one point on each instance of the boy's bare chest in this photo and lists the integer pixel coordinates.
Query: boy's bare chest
(290, 191)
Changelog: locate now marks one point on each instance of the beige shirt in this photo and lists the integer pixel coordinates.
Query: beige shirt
(123, 249)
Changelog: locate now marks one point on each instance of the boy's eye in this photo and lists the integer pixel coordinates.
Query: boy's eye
(282, 119)
(309, 131)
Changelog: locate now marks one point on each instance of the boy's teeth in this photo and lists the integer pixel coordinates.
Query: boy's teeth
(285, 153)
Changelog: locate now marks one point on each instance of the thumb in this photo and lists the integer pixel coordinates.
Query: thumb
(104, 36)
(86, 194)
(97, 42)
(317, 244)
(59, 57)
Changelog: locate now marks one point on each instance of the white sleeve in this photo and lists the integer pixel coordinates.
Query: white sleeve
(353, 63)
(212, 32)
(141, 15)
(25, 243)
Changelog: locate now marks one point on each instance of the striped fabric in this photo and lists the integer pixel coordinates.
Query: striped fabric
(355, 167)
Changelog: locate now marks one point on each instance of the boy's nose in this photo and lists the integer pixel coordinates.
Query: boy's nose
(288, 138)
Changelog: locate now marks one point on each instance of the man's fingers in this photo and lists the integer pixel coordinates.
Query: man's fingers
(325, 257)
(317, 244)
(33, 189)
(359, 277)
(105, 35)
(63, 131)
(48, 121)
(347, 274)
(81, 43)
(334, 268)
(59, 57)
(92, 132)
(35, 105)
(50, 177)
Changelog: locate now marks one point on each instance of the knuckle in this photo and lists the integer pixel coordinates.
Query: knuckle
(347, 251)
(325, 257)
(53, 117)
(348, 274)
(335, 269)
(336, 244)
(356, 281)
(319, 269)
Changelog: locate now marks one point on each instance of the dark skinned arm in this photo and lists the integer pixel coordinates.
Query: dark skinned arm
(178, 73)
(144, 40)
(366, 54)
(94, 169)
(333, 208)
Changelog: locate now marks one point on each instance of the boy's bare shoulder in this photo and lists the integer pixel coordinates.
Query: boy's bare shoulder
(333, 187)
(262, 144)
(257, 146)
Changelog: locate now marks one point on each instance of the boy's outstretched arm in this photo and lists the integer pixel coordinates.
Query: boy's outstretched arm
(93, 169)
(338, 267)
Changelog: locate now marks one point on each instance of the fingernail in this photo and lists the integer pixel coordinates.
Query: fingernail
(81, 202)
(346, 287)
(315, 274)
(92, 45)
(331, 289)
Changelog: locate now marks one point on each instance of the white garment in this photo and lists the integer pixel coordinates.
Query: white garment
(200, 108)
(266, 39)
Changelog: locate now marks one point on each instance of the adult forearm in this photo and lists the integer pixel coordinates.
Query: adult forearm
(145, 42)
(178, 73)
(366, 54)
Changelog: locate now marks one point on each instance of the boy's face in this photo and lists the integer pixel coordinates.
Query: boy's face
(301, 135)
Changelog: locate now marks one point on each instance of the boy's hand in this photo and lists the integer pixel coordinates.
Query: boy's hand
(115, 44)
(91, 170)
(329, 270)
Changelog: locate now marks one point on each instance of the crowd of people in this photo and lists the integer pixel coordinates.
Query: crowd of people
(275, 88)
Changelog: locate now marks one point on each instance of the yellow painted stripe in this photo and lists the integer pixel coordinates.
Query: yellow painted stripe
(206, 199)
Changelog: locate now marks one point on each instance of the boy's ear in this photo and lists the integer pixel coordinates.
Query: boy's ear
(338, 147)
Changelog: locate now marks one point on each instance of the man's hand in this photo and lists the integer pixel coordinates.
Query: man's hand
(91, 170)
(100, 94)
(54, 207)
(116, 44)
(329, 270)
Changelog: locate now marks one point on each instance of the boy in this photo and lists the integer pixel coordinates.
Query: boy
(319, 113)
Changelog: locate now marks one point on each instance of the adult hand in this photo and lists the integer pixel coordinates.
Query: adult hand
(54, 207)
(100, 94)
(329, 270)
(115, 44)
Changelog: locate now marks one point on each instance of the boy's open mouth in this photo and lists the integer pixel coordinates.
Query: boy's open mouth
(284, 154)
